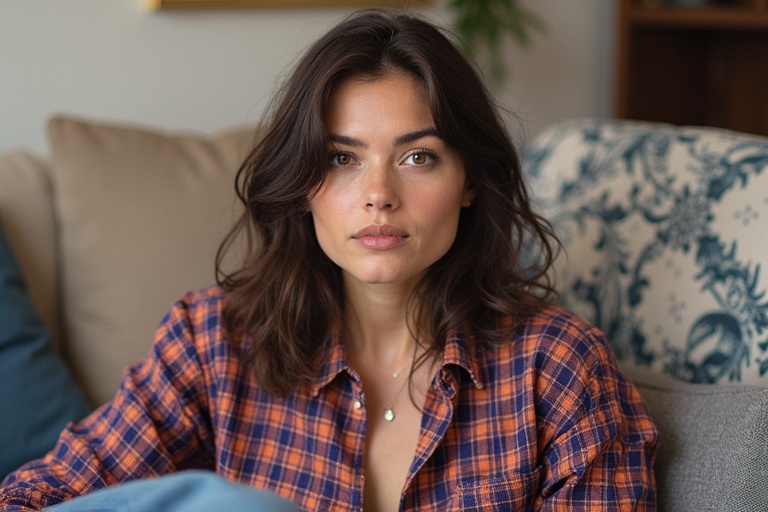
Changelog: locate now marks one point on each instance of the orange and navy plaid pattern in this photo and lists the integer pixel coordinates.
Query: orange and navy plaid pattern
(544, 422)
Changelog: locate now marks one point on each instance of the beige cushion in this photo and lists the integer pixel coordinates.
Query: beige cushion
(141, 216)
(26, 212)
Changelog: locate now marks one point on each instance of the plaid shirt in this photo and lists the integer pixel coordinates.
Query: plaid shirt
(545, 421)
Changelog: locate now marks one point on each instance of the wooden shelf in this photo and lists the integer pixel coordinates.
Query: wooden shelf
(694, 65)
(182, 4)
(710, 17)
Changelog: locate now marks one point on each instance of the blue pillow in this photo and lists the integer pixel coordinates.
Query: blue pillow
(37, 394)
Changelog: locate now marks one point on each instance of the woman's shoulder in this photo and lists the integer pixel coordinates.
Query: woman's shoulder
(212, 295)
(555, 355)
(555, 322)
(554, 336)
(196, 314)
(203, 301)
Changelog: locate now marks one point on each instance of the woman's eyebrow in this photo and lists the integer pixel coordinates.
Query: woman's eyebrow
(399, 140)
(347, 141)
(418, 134)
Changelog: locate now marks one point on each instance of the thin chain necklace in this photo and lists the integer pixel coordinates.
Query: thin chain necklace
(389, 413)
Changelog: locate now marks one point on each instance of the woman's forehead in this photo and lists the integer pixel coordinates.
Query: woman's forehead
(394, 102)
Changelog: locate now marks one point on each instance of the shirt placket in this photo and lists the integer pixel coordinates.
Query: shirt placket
(353, 440)
(438, 413)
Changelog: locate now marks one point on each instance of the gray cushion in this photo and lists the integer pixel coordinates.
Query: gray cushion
(714, 444)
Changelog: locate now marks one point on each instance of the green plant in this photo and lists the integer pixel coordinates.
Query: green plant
(483, 24)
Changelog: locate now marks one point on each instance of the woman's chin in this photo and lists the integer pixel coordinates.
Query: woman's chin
(383, 277)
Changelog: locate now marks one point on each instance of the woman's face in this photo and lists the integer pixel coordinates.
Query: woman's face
(389, 206)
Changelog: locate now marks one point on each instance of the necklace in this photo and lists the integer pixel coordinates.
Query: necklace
(389, 413)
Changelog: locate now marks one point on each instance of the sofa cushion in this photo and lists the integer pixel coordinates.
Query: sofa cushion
(26, 212)
(665, 240)
(38, 395)
(713, 444)
(141, 216)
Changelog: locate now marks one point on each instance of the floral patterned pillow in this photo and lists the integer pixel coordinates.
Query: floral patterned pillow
(665, 231)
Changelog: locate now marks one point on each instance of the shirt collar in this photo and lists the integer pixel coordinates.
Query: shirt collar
(335, 362)
(460, 351)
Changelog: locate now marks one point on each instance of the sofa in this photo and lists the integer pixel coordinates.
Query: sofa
(116, 221)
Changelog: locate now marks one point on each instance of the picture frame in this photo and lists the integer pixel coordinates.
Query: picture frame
(179, 4)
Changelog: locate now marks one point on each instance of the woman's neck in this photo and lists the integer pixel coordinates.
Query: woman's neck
(377, 326)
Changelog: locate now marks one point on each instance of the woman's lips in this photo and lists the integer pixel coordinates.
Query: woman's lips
(380, 237)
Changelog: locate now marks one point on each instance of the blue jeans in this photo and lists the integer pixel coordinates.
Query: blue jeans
(188, 491)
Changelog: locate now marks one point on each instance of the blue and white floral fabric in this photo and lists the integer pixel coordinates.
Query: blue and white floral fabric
(665, 231)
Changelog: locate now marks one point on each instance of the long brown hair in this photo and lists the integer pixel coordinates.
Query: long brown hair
(284, 300)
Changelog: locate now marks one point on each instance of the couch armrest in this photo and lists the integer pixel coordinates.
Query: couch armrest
(713, 445)
(26, 213)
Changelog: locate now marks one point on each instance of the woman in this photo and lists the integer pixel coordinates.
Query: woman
(382, 347)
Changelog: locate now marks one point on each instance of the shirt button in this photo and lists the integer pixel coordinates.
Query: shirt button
(358, 405)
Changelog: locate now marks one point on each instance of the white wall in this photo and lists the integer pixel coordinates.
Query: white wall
(212, 69)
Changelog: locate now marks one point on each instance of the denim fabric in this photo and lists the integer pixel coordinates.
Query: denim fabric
(188, 491)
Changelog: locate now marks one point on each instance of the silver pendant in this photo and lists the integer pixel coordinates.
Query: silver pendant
(389, 414)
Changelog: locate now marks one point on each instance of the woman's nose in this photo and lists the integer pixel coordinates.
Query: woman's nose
(380, 188)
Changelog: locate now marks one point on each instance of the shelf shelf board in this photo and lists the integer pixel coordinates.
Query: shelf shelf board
(699, 17)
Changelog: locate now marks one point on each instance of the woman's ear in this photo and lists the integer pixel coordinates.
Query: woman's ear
(469, 196)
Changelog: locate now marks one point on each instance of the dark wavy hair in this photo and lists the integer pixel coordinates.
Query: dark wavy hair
(287, 296)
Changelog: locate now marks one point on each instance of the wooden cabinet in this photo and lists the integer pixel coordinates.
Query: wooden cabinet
(702, 65)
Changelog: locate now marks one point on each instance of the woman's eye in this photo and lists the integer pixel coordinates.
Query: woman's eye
(421, 158)
(341, 159)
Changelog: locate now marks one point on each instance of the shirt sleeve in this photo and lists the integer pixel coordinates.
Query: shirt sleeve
(158, 423)
(599, 441)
